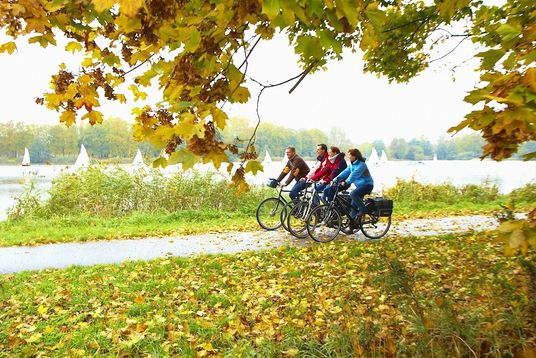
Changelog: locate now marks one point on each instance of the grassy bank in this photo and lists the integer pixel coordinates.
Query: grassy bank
(100, 204)
(455, 296)
(80, 228)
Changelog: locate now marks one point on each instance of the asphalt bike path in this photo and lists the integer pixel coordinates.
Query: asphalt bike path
(23, 258)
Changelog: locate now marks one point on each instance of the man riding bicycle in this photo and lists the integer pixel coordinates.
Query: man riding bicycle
(296, 168)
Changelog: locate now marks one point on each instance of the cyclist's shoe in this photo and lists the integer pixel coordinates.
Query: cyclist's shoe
(353, 225)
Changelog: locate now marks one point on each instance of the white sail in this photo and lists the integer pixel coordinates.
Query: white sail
(383, 158)
(373, 157)
(267, 158)
(435, 157)
(138, 160)
(26, 158)
(82, 161)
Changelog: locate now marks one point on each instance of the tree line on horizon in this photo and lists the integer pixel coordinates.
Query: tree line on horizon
(113, 140)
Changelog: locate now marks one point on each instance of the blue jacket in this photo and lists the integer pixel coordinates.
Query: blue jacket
(357, 173)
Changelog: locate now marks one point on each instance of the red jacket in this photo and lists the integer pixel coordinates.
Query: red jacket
(327, 168)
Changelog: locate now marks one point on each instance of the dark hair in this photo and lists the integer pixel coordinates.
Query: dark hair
(334, 149)
(292, 148)
(354, 152)
(323, 146)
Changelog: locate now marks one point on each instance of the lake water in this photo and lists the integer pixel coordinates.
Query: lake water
(508, 175)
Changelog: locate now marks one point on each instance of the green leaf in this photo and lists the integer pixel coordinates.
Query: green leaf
(476, 96)
(309, 47)
(270, 8)
(509, 31)
(349, 9)
(185, 157)
(376, 18)
(194, 40)
(490, 58)
(160, 162)
(314, 7)
(254, 166)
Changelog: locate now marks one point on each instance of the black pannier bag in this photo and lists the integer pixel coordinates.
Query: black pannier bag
(345, 201)
(380, 206)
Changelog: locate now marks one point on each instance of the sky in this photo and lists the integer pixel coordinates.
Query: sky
(366, 107)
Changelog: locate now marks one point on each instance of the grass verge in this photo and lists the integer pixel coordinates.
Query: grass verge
(80, 228)
(443, 296)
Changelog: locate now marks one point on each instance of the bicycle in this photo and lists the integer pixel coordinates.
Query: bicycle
(297, 217)
(269, 210)
(326, 221)
(300, 211)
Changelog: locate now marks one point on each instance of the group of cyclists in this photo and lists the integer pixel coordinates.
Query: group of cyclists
(330, 174)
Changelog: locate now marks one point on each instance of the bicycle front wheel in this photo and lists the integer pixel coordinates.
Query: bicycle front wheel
(284, 213)
(324, 223)
(269, 213)
(297, 220)
(374, 226)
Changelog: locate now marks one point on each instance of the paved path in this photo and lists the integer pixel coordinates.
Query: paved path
(22, 258)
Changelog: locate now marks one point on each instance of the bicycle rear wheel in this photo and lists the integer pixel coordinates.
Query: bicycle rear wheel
(297, 220)
(324, 223)
(374, 226)
(269, 213)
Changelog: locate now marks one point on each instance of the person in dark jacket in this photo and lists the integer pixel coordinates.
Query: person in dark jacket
(296, 169)
(321, 159)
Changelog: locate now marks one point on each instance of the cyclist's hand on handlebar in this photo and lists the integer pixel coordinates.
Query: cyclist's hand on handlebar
(282, 185)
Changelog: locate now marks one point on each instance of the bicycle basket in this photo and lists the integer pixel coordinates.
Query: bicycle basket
(382, 206)
(272, 183)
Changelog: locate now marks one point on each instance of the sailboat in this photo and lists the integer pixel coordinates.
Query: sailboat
(267, 158)
(435, 158)
(26, 158)
(138, 162)
(373, 157)
(82, 161)
(383, 158)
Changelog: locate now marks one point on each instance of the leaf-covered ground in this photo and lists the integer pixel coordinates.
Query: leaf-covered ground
(435, 296)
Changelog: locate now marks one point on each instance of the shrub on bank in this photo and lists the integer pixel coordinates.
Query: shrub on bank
(116, 192)
(412, 191)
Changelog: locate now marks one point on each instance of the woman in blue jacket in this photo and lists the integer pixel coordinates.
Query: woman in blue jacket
(356, 173)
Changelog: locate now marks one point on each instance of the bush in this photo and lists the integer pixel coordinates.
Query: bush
(412, 191)
(525, 194)
(116, 192)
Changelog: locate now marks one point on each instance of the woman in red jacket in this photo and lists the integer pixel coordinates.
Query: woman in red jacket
(330, 168)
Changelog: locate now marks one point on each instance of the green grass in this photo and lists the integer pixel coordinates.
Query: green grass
(454, 296)
(31, 231)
